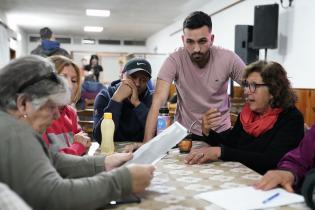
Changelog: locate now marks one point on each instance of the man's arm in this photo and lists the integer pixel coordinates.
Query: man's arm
(159, 98)
(237, 66)
(101, 101)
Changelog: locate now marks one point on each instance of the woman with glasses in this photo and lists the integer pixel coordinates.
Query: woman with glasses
(31, 94)
(268, 126)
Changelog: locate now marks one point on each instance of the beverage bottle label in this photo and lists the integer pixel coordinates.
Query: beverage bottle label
(162, 123)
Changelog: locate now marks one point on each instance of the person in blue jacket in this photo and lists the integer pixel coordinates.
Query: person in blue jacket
(49, 46)
(128, 100)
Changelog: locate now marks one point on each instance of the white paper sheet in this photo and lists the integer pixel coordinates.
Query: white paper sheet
(94, 146)
(152, 151)
(247, 198)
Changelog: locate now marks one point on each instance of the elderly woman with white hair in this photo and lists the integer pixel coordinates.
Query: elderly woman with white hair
(31, 92)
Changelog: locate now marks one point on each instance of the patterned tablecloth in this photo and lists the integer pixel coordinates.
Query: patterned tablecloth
(175, 184)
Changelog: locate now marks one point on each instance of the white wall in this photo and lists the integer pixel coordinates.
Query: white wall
(19, 45)
(4, 49)
(295, 43)
(2, 16)
(4, 42)
(95, 48)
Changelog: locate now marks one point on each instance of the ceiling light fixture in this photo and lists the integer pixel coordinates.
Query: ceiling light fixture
(98, 12)
(93, 28)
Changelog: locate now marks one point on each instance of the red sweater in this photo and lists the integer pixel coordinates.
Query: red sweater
(59, 135)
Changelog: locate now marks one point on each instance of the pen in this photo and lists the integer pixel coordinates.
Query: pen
(270, 198)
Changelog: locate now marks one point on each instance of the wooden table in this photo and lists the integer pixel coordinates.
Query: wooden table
(175, 184)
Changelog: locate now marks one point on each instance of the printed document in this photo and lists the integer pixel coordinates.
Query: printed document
(154, 150)
(247, 198)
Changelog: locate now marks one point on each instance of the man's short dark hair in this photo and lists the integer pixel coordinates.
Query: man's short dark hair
(196, 20)
(45, 33)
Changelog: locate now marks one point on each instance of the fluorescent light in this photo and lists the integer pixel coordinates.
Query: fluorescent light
(98, 12)
(93, 28)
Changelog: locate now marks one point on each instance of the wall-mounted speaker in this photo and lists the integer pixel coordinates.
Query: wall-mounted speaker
(265, 34)
(243, 41)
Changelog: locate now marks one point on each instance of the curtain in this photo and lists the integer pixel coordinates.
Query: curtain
(4, 46)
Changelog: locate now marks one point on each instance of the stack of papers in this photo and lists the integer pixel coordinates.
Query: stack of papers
(247, 198)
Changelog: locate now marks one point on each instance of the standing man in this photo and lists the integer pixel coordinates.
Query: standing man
(48, 46)
(128, 100)
(201, 73)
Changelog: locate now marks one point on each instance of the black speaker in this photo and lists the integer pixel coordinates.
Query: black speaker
(265, 34)
(243, 41)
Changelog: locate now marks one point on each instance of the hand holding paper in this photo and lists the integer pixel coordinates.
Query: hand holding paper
(155, 149)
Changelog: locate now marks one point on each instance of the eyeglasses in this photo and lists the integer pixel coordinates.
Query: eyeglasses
(52, 76)
(252, 86)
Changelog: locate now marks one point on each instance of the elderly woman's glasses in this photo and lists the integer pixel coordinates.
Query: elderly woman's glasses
(50, 76)
(252, 86)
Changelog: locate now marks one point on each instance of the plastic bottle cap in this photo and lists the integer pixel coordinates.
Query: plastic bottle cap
(108, 115)
(163, 110)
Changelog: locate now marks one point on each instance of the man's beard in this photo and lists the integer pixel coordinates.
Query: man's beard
(201, 59)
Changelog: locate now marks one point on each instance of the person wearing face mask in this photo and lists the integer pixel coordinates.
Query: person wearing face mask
(268, 126)
(31, 94)
(201, 73)
(65, 134)
(128, 100)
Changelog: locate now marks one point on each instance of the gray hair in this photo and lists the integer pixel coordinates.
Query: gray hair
(34, 77)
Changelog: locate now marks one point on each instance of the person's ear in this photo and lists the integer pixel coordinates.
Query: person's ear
(21, 104)
(212, 38)
(183, 39)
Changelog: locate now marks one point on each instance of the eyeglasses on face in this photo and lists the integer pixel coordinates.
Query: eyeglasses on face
(252, 86)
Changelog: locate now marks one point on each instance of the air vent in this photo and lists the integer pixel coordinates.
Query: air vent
(34, 38)
(131, 42)
(63, 40)
(88, 41)
(107, 41)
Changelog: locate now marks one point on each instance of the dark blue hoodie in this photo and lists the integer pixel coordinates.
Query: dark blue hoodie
(129, 121)
(49, 48)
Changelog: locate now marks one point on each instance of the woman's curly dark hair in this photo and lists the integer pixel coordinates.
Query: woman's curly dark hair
(275, 76)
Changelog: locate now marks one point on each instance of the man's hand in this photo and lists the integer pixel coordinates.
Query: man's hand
(134, 98)
(82, 138)
(274, 178)
(203, 155)
(210, 120)
(141, 176)
(123, 91)
(117, 159)
(132, 147)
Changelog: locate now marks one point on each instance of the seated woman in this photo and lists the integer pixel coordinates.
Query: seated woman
(65, 134)
(31, 93)
(293, 167)
(268, 126)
